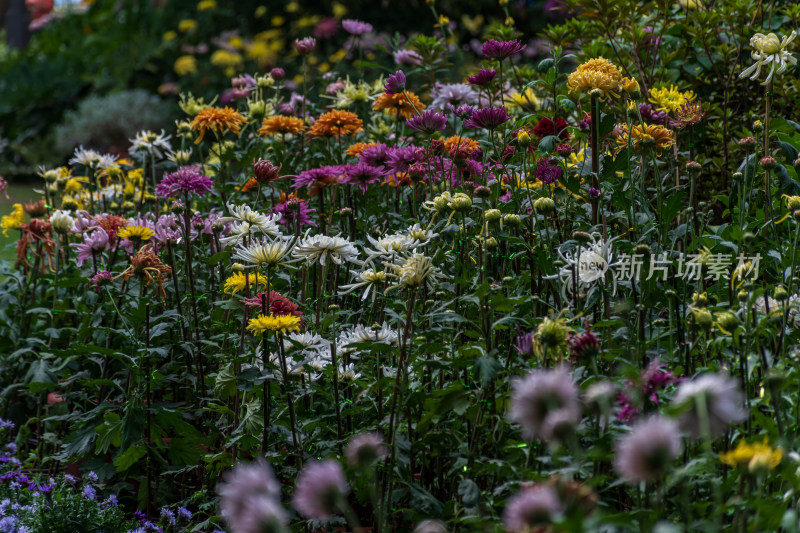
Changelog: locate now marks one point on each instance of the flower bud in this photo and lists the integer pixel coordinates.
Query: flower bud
(512, 220)
(544, 205)
(482, 191)
(748, 238)
(781, 294)
(237, 267)
(631, 87)
(727, 321)
(758, 126)
(747, 142)
(490, 243)
(742, 296)
(643, 250)
(768, 162)
(257, 109)
(693, 166)
(492, 215)
(702, 317)
(177, 208)
(581, 236)
(523, 138)
(461, 202)
(565, 149)
(50, 176)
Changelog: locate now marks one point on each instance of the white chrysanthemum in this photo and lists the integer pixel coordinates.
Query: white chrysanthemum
(769, 50)
(267, 224)
(239, 231)
(420, 234)
(266, 253)
(589, 263)
(411, 271)
(62, 221)
(348, 373)
(311, 345)
(364, 334)
(366, 278)
(107, 161)
(321, 248)
(389, 246)
(151, 143)
(85, 157)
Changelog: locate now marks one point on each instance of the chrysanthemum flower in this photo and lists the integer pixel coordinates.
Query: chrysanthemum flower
(135, 233)
(669, 99)
(151, 143)
(429, 122)
(689, 114)
(148, 266)
(189, 179)
(249, 498)
(525, 100)
(398, 104)
(411, 271)
(544, 403)
(239, 281)
(532, 508)
(336, 123)
(395, 84)
(407, 58)
(769, 50)
(653, 135)
(483, 77)
(744, 453)
(366, 448)
(321, 248)
(381, 334)
(279, 124)
(487, 118)
(356, 149)
(722, 404)
(217, 119)
(14, 219)
(295, 213)
(366, 278)
(321, 487)
(356, 27)
(457, 142)
(277, 323)
(278, 304)
(452, 94)
(501, 49)
(268, 253)
(646, 452)
(596, 74)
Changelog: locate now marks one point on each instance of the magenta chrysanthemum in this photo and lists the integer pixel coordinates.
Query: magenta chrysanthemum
(396, 83)
(487, 118)
(428, 123)
(501, 49)
(483, 77)
(183, 181)
(320, 488)
(356, 27)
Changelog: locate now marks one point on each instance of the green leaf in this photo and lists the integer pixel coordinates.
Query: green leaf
(129, 457)
(487, 368)
(470, 492)
(108, 433)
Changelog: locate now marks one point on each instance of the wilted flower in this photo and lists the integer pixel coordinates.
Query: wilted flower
(646, 452)
(544, 402)
(321, 487)
(709, 404)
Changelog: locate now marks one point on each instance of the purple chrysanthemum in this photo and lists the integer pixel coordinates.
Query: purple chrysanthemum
(356, 27)
(653, 115)
(310, 178)
(320, 487)
(93, 242)
(544, 403)
(645, 453)
(243, 485)
(185, 180)
(501, 49)
(531, 507)
(429, 122)
(362, 174)
(483, 77)
(547, 172)
(407, 58)
(295, 213)
(488, 118)
(305, 46)
(102, 278)
(463, 111)
(396, 83)
(365, 449)
(402, 158)
(376, 156)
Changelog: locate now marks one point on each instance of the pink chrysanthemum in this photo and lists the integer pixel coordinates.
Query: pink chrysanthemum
(320, 488)
(645, 453)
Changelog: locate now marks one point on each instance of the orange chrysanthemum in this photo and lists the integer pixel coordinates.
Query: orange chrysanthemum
(398, 179)
(356, 148)
(251, 184)
(596, 74)
(653, 135)
(281, 124)
(217, 119)
(398, 104)
(462, 143)
(336, 122)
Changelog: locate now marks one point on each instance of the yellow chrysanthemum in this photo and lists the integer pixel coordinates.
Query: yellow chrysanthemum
(169, 36)
(185, 65)
(135, 233)
(239, 280)
(227, 60)
(206, 5)
(668, 99)
(279, 323)
(75, 185)
(14, 219)
(653, 135)
(596, 74)
(279, 124)
(759, 454)
(524, 100)
(187, 25)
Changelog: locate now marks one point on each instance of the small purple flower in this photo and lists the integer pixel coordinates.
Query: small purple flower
(184, 513)
(285, 108)
(524, 343)
(593, 192)
(69, 478)
(92, 477)
(102, 278)
(501, 49)
(188, 179)
(277, 73)
(428, 123)
(483, 77)
(531, 507)
(6, 424)
(89, 492)
(356, 27)
(112, 500)
(547, 172)
(407, 58)
(396, 83)
(463, 112)
(320, 488)
(487, 118)
(11, 447)
(653, 115)
(169, 515)
(305, 46)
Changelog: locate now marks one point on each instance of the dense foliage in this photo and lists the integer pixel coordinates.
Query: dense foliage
(557, 294)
